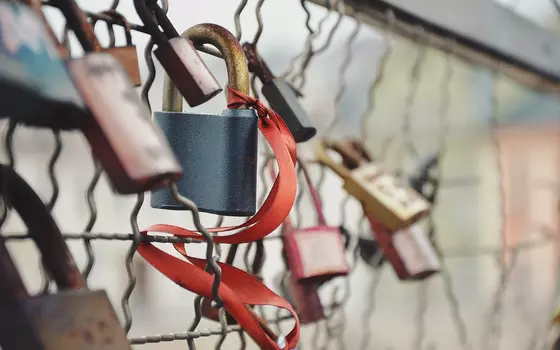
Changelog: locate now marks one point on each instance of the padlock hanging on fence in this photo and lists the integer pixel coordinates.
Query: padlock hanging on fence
(281, 96)
(389, 200)
(219, 152)
(391, 207)
(130, 148)
(35, 85)
(303, 297)
(180, 60)
(72, 318)
(127, 54)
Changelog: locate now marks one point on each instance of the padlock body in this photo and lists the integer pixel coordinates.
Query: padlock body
(219, 155)
(35, 85)
(315, 254)
(187, 71)
(410, 252)
(284, 101)
(394, 204)
(131, 149)
(306, 301)
(66, 320)
(128, 57)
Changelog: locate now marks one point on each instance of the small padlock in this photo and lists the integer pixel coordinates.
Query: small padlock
(423, 181)
(219, 152)
(35, 86)
(389, 200)
(315, 254)
(127, 55)
(74, 317)
(281, 97)
(370, 252)
(304, 298)
(129, 146)
(177, 55)
(409, 251)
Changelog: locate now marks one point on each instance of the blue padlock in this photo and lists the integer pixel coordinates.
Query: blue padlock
(218, 153)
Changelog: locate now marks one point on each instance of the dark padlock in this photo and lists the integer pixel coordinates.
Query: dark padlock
(177, 55)
(35, 86)
(127, 55)
(303, 297)
(74, 317)
(281, 97)
(423, 180)
(409, 251)
(218, 152)
(370, 252)
(129, 146)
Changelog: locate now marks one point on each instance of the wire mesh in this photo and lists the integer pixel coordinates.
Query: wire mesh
(397, 148)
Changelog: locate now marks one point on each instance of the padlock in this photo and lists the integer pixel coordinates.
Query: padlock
(315, 254)
(129, 146)
(35, 85)
(303, 297)
(370, 252)
(219, 153)
(74, 317)
(388, 199)
(409, 251)
(281, 97)
(423, 181)
(127, 55)
(177, 55)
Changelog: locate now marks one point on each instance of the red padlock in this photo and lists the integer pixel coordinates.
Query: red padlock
(409, 251)
(314, 254)
(304, 298)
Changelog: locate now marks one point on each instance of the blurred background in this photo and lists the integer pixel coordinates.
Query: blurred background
(497, 228)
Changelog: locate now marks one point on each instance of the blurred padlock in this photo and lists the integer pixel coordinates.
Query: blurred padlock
(74, 317)
(409, 251)
(423, 181)
(130, 147)
(281, 97)
(177, 55)
(127, 54)
(35, 86)
(218, 152)
(389, 200)
(303, 297)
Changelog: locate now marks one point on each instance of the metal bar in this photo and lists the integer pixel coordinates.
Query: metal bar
(482, 31)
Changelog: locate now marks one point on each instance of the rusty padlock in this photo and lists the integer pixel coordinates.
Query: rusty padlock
(388, 199)
(74, 317)
(127, 54)
(303, 297)
(314, 254)
(129, 146)
(281, 96)
(219, 152)
(177, 55)
(35, 86)
(409, 251)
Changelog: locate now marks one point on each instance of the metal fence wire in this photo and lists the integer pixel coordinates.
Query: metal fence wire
(352, 304)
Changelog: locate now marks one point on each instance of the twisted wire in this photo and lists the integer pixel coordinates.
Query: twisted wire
(379, 75)
(303, 4)
(443, 114)
(136, 236)
(493, 333)
(237, 19)
(308, 46)
(369, 309)
(311, 53)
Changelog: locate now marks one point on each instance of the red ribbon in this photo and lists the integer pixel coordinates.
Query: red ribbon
(239, 288)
